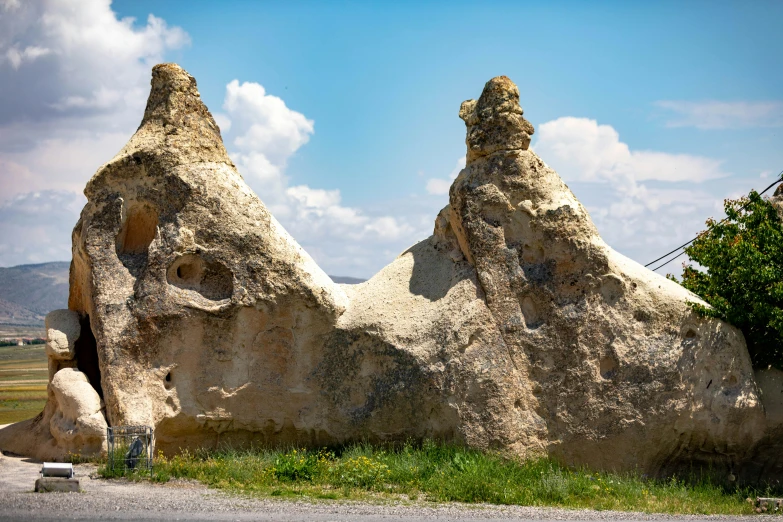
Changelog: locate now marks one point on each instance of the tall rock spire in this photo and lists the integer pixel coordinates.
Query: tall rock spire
(495, 121)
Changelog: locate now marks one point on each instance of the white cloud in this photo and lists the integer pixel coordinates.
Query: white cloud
(36, 227)
(29, 54)
(723, 115)
(263, 124)
(76, 58)
(74, 80)
(315, 199)
(10, 5)
(643, 202)
(261, 133)
(586, 151)
(58, 163)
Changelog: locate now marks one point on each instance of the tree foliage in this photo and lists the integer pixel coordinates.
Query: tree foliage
(742, 280)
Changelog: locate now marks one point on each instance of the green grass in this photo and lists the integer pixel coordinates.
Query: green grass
(23, 379)
(442, 473)
(19, 410)
(14, 354)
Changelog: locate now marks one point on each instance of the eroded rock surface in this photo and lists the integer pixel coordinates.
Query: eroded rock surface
(73, 421)
(513, 327)
(616, 365)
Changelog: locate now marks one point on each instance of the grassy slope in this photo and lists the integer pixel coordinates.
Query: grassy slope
(433, 472)
(23, 378)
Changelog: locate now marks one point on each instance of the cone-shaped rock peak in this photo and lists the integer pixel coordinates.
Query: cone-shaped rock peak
(513, 326)
(495, 121)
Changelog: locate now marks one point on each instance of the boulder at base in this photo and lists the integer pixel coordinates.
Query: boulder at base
(514, 326)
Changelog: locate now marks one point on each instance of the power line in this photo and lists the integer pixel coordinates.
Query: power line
(778, 180)
(669, 261)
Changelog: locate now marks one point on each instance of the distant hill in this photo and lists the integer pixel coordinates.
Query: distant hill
(29, 292)
(347, 280)
(12, 313)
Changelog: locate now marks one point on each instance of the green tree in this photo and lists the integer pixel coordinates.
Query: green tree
(742, 276)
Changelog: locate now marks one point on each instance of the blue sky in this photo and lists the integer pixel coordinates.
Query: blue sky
(652, 112)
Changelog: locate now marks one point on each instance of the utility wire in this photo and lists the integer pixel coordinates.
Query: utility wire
(778, 180)
(669, 261)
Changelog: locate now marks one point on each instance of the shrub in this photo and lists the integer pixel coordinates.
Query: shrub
(743, 280)
(297, 464)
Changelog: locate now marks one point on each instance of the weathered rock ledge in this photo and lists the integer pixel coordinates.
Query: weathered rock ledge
(514, 326)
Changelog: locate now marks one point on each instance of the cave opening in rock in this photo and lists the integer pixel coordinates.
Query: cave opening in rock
(87, 355)
(138, 230)
(139, 227)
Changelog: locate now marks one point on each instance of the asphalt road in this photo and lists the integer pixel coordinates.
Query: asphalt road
(120, 500)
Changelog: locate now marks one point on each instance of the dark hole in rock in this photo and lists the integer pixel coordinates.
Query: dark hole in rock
(209, 278)
(607, 367)
(87, 355)
(168, 377)
(137, 232)
(690, 334)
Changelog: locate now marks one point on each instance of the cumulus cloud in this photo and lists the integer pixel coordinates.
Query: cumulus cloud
(643, 202)
(261, 134)
(75, 58)
(16, 56)
(587, 151)
(74, 80)
(262, 123)
(723, 115)
(36, 226)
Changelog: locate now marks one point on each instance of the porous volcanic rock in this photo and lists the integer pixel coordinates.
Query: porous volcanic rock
(622, 372)
(514, 326)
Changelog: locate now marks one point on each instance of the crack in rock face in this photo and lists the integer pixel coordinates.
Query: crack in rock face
(514, 326)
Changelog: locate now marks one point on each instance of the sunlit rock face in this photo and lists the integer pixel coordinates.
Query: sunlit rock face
(617, 369)
(514, 326)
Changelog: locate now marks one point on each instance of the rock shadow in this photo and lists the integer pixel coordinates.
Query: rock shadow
(435, 272)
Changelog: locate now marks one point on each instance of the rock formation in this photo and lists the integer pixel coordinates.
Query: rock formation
(73, 421)
(514, 326)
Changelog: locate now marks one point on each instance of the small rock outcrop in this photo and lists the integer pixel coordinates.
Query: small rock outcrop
(73, 421)
(514, 326)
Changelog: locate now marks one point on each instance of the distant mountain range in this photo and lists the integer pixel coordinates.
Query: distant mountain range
(347, 280)
(29, 292)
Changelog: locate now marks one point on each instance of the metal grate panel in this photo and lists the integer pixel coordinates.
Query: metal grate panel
(130, 448)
